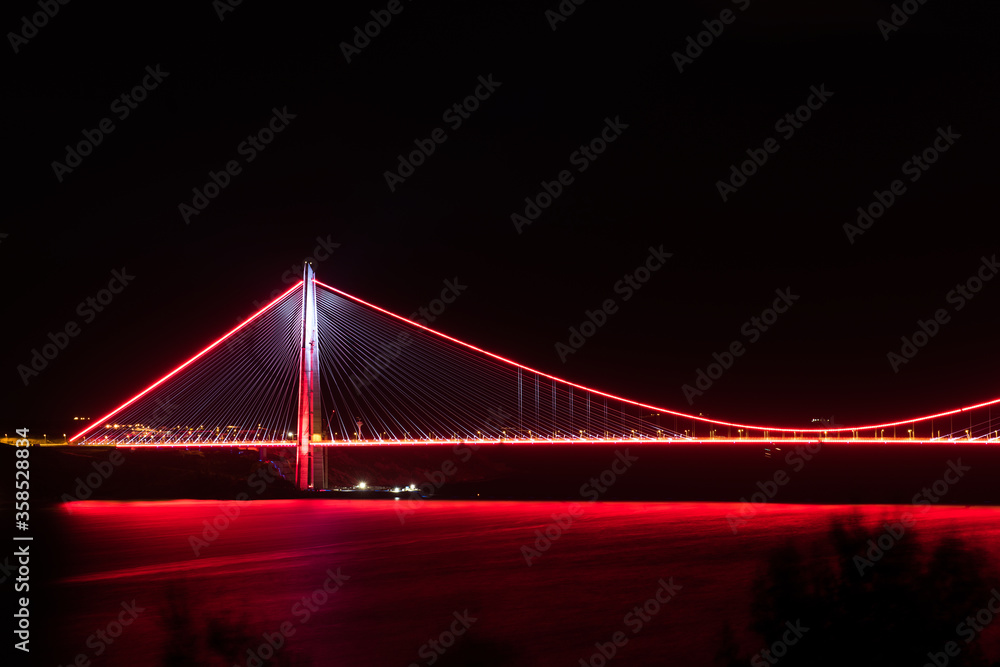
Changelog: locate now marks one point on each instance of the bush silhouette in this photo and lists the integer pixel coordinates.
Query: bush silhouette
(863, 605)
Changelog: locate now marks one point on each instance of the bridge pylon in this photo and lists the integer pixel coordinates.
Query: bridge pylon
(310, 461)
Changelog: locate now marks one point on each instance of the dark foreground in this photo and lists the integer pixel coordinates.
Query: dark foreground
(118, 577)
(527, 583)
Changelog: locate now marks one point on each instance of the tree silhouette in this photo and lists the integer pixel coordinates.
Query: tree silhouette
(856, 603)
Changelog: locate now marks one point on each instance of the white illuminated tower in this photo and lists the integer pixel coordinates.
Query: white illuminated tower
(310, 463)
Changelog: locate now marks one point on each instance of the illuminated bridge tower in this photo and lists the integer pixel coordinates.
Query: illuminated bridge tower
(310, 461)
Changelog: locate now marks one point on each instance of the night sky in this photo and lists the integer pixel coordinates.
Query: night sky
(888, 94)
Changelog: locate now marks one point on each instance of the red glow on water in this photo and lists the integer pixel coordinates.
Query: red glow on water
(604, 559)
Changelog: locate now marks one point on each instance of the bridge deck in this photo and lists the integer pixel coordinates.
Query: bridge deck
(584, 441)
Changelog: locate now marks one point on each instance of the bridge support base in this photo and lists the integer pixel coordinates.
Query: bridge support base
(319, 458)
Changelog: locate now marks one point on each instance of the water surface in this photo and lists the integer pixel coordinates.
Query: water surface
(396, 584)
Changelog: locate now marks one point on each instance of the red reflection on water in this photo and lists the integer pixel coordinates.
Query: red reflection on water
(410, 567)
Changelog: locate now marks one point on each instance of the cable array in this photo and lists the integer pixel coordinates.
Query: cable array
(384, 379)
(241, 389)
(390, 380)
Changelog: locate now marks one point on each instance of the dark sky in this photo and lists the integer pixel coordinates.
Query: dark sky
(322, 177)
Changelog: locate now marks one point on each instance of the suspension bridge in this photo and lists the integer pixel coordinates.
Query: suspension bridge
(317, 367)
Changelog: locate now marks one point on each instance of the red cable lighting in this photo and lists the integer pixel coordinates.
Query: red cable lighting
(187, 363)
(511, 362)
(646, 405)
